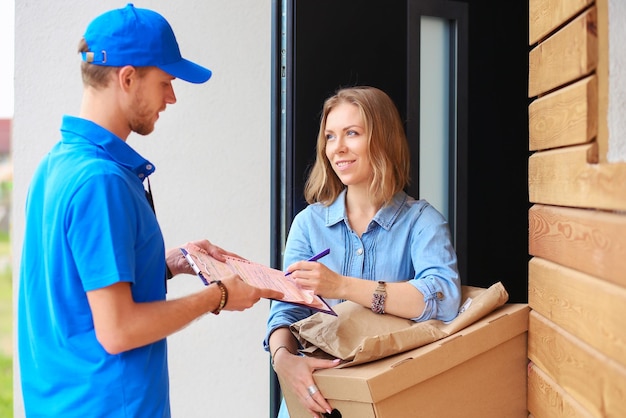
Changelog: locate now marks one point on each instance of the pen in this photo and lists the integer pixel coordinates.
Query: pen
(193, 266)
(314, 258)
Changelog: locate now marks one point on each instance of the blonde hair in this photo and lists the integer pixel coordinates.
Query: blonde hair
(387, 145)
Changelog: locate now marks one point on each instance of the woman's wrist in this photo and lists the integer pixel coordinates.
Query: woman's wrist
(277, 350)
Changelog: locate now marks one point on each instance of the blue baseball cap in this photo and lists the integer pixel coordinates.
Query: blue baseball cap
(141, 38)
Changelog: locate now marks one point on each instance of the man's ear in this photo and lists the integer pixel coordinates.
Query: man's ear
(126, 76)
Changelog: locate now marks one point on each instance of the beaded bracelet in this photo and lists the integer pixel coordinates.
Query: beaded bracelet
(224, 298)
(378, 299)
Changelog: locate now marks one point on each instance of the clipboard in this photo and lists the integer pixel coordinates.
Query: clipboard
(258, 275)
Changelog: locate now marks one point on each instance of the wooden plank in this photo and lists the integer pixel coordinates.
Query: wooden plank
(595, 381)
(568, 177)
(592, 242)
(569, 54)
(546, 399)
(568, 116)
(546, 15)
(587, 307)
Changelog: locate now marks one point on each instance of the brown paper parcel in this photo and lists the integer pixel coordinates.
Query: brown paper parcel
(357, 335)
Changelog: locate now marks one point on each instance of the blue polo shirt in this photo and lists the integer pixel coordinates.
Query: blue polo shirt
(88, 226)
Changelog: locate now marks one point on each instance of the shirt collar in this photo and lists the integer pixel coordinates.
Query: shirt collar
(76, 129)
(385, 216)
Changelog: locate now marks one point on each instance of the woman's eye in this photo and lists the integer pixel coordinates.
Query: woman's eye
(330, 137)
(352, 133)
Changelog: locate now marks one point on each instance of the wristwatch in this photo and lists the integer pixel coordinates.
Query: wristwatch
(378, 298)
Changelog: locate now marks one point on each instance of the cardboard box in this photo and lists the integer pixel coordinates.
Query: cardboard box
(478, 372)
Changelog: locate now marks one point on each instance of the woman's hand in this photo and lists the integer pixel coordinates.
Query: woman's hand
(315, 276)
(297, 373)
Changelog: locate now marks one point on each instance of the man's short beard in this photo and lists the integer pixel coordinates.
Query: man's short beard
(141, 122)
(141, 128)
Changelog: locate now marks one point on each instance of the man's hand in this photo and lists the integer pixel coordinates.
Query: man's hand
(242, 296)
(177, 263)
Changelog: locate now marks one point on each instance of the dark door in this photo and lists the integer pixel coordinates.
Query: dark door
(322, 45)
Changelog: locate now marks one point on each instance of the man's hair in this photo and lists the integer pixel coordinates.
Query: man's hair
(386, 141)
(98, 76)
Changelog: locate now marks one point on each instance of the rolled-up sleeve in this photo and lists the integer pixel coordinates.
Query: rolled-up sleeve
(435, 265)
(441, 298)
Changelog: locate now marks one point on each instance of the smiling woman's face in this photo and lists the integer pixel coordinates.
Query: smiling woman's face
(347, 145)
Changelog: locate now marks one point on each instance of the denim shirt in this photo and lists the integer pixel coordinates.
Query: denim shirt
(407, 240)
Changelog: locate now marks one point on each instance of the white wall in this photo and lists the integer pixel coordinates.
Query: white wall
(617, 82)
(212, 153)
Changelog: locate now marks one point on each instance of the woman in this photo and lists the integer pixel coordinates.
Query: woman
(389, 252)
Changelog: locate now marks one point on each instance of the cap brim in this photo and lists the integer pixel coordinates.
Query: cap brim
(188, 71)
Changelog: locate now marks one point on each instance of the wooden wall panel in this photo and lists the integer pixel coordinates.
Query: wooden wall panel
(595, 381)
(586, 307)
(546, 399)
(592, 242)
(577, 278)
(568, 116)
(569, 54)
(568, 177)
(547, 15)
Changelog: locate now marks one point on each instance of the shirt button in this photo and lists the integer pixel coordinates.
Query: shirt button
(440, 295)
(141, 175)
(359, 251)
(149, 167)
